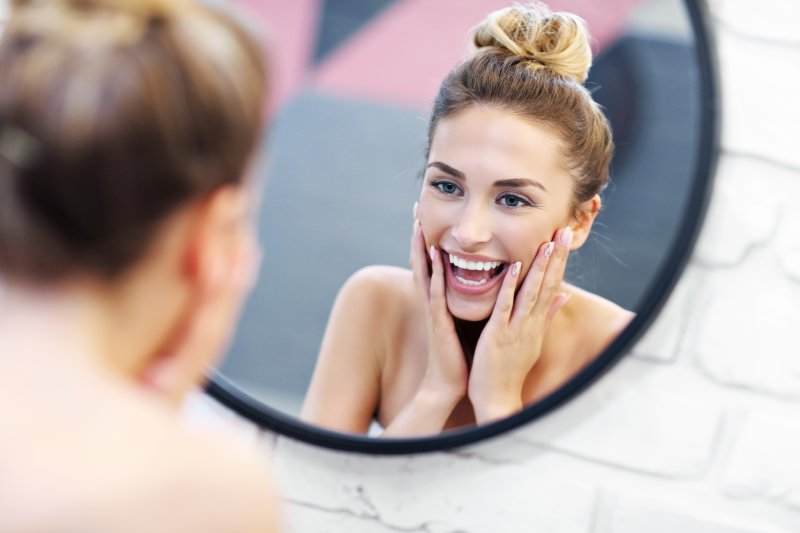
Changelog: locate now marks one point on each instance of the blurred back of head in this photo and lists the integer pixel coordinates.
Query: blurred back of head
(113, 114)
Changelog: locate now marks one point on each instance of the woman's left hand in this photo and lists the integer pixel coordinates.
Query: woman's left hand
(511, 342)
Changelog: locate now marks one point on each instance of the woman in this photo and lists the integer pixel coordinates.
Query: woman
(126, 130)
(483, 325)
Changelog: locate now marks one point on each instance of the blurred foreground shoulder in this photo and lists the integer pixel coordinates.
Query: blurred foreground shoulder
(127, 465)
(199, 481)
(236, 488)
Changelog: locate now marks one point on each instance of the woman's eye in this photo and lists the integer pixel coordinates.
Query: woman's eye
(447, 187)
(512, 200)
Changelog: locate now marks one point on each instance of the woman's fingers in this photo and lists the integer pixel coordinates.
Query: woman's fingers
(505, 298)
(414, 211)
(529, 292)
(438, 300)
(554, 273)
(419, 263)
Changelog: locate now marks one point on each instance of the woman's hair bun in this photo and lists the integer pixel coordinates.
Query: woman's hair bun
(557, 41)
(146, 9)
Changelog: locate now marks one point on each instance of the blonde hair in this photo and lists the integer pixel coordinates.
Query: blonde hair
(113, 113)
(533, 62)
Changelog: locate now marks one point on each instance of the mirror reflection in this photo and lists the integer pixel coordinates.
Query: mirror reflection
(450, 231)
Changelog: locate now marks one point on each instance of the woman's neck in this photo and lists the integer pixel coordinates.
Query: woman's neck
(469, 333)
(72, 323)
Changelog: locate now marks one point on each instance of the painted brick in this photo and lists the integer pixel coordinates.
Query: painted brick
(790, 262)
(306, 518)
(634, 515)
(772, 20)
(788, 238)
(761, 117)
(763, 462)
(640, 417)
(745, 333)
(660, 342)
(437, 492)
(742, 213)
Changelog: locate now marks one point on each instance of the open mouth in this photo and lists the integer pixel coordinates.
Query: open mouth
(475, 273)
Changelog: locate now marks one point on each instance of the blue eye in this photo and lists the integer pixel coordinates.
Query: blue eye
(514, 201)
(446, 187)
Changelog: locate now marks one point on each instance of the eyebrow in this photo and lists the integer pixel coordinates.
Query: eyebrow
(517, 182)
(447, 169)
(520, 182)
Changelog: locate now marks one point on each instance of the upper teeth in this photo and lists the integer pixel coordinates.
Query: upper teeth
(474, 265)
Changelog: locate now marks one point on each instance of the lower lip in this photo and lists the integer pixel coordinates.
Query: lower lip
(473, 290)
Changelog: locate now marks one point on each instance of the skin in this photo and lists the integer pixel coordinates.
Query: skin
(92, 438)
(495, 189)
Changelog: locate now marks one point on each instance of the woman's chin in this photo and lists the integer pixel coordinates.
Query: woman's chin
(472, 311)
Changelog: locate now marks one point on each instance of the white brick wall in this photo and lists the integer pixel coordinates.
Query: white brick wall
(698, 431)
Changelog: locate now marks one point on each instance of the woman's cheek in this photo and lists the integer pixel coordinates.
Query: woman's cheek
(523, 244)
(432, 220)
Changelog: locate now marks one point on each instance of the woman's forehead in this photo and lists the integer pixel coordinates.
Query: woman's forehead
(486, 139)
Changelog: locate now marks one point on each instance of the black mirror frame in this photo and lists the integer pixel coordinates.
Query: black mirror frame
(264, 416)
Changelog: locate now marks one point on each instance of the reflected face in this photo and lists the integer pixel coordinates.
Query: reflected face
(494, 190)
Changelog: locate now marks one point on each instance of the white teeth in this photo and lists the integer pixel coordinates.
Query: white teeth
(474, 265)
(470, 282)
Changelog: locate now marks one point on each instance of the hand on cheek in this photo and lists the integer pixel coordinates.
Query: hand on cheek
(444, 383)
(512, 340)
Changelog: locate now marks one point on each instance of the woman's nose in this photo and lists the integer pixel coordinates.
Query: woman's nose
(472, 229)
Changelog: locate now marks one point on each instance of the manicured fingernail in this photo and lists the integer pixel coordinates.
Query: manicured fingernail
(566, 236)
(433, 253)
(416, 227)
(548, 249)
(565, 296)
(515, 269)
(416, 209)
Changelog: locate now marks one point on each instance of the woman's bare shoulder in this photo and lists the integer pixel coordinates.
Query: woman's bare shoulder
(378, 293)
(599, 319)
(213, 481)
(240, 491)
(126, 456)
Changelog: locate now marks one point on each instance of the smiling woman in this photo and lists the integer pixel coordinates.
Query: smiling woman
(338, 197)
(483, 324)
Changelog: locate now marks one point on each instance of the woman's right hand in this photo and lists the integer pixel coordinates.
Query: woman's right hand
(447, 377)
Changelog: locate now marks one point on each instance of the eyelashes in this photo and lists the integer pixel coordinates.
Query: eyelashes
(509, 200)
(446, 187)
(516, 201)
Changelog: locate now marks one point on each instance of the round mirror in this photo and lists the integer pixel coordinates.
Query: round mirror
(347, 160)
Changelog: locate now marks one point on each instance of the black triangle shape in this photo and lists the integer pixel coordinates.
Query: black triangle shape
(340, 19)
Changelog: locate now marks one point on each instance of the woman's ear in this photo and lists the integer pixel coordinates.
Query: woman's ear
(220, 225)
(220, 260)
(583, 219)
